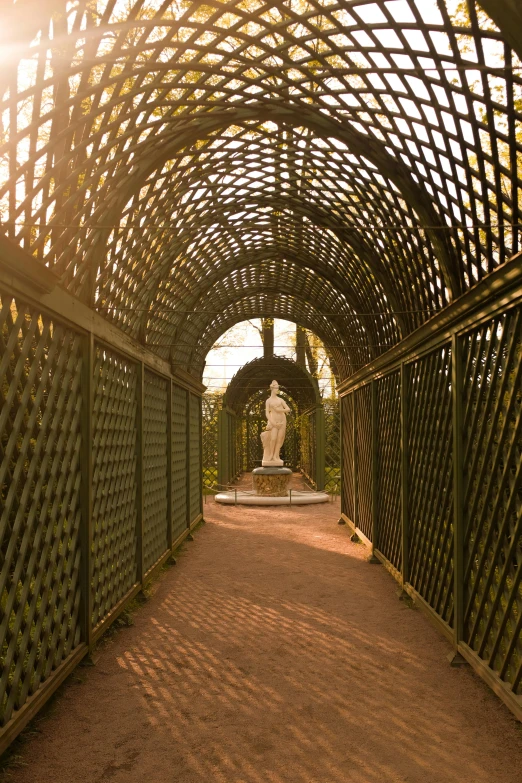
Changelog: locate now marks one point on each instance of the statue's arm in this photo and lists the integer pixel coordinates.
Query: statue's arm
(286, 408)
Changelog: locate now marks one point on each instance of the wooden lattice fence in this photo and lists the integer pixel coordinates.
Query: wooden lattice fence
(434, 482)
(332, 445)
(97, 488)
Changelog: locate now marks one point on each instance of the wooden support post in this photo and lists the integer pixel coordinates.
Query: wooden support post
(405, 521)
(458, 489)
(268, 338)
(222, 448)
(86, 489)
(187, 457)
(320, 437)
(200, 484)
(139, 472)
(300, 346)
(342, 403)
(170, 539)
(375, 474)
(355, 463)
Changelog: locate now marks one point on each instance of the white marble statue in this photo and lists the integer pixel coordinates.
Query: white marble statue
(274, 435)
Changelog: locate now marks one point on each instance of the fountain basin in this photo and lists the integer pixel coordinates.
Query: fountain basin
(294, 498)
(271, 482)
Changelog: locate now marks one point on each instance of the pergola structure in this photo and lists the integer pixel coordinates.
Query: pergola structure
(169, 168)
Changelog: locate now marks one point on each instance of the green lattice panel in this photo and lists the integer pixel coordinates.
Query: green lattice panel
(308, 445)
(347, 496)
(179, 461)
(254, 449)
(155, 469)
(210, 407)
(363, 441)
(231, 433)
(332, 444)
(114, 426)
(493, 494)
(430, 500)
(389, 468)
(240, 441)
(195, 455)
(40, 410)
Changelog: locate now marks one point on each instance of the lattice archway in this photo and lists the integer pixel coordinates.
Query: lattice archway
(256, 376)
(246, 396)
(168, 169)
(147, 143)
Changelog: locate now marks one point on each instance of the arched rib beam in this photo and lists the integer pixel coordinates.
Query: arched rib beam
(294, 280)
(272, 305)
(258, 374)
(367, 255)
(373, 150)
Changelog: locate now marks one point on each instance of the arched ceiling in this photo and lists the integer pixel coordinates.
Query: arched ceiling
(354, 166)
(259, 373)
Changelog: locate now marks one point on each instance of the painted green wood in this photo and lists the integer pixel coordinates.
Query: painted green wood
(389, 470)
(347, 457)
(140, 426)
(355, 461)
(458, 495)
(491, 494)
(332, 444)
(155, 469)
(363, 461)
(430, 475)
(375, 468)
(179, 461)
(41, 406)
(495, 294)
(223, 447)
(404, 478)
(320, 448)
(115, 479)
(194, 453)
(170, 499)
(86, 489)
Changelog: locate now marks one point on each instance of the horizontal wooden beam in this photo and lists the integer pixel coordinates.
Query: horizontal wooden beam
(23, 269)
(21, 275)
(495, 293)
(42, 695)
(507, 15)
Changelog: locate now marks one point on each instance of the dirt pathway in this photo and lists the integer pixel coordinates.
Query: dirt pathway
(273, 653)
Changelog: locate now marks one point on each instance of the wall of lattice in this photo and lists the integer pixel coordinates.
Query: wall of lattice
(223, 443)
(211, 405)
(332, 446)
(353, 167)
(182, 167)
(96, 490)
(232, 446)
(42, 401)
(312, 456)
(435, 485)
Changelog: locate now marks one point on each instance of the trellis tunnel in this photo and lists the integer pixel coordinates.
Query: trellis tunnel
(169, 169)
(232, 422)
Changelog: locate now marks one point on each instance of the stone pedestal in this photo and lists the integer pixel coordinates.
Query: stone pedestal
(271, 482)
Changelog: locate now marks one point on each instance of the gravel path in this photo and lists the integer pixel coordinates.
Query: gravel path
(274, 653)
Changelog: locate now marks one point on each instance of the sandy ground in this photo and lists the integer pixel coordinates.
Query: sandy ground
(274, 653)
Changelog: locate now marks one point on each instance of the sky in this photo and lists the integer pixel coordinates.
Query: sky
(240, 345)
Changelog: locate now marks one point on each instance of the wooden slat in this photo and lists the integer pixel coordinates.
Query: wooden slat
(492, 481)
(155, 469)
